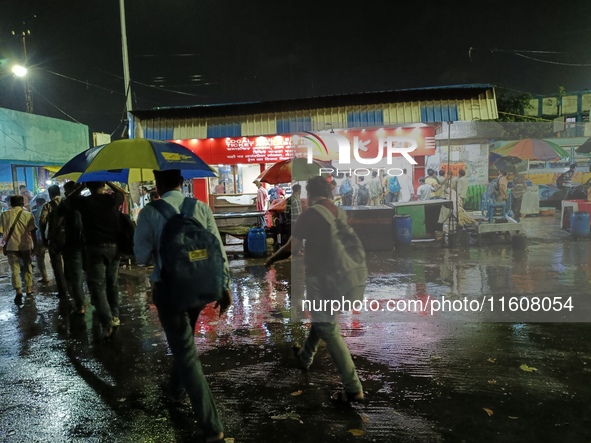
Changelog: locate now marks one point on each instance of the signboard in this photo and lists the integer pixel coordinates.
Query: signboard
(323, 145)
(453, 167)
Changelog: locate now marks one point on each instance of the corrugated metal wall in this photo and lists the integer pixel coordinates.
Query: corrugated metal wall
(484, 107)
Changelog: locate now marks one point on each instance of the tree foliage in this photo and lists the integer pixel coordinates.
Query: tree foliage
(511, 107)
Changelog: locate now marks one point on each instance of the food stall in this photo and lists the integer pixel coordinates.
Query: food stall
(238, 162)
(424, 216)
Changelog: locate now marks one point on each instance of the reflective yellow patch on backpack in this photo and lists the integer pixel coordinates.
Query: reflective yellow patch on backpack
(198, 254)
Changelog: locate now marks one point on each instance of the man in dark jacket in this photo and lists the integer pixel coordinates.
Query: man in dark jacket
(73, 250)
(101, 227)
(47, 225)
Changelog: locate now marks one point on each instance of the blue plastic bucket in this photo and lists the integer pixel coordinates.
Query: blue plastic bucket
(402, 226)
(579, 225)
(257, 242)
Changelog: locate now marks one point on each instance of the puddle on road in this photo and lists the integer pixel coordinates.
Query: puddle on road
(426, 380)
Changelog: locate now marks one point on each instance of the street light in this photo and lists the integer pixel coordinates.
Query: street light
(21, 71)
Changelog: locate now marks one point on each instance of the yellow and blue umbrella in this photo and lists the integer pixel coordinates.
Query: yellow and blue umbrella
(133, 161)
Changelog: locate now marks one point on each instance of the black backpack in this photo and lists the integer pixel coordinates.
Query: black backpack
(191, 257)
(362, 195)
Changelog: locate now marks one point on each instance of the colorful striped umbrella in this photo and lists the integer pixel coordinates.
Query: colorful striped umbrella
(532, 149)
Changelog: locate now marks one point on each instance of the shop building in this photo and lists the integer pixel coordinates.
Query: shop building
(228, 128)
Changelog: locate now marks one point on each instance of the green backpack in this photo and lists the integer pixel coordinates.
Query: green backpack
(348, 275)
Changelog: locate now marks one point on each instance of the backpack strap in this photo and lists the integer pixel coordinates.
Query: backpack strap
(165, 208)
(188, 206)
(325, 212)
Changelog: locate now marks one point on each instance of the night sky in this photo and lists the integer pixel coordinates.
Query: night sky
(190, 52)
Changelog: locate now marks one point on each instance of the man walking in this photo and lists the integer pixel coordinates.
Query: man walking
(346, 191)
(293, 209)
(40, 249)
(375, 189)
(261, 202)
(27, 196)
(47, 224)
(462, 187)
(144, 197)
(315, 230)
(406, 188)
(16, 227)
(101, 227)
(179, 325)
(73, 249)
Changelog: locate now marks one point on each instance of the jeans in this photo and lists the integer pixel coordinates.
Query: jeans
(14, 260)
(101, 274)
(328, 330)
(179, 327)
(391, 197)
(57, 264)
(73, 261)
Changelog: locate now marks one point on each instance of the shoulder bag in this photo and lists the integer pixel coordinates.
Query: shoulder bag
(10, 231)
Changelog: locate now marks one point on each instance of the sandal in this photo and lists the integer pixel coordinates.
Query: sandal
(348, 397)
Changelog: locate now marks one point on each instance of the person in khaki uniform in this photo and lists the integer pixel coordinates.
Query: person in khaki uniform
(17, 227)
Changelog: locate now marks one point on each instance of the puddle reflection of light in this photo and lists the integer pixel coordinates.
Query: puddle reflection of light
(6, 315)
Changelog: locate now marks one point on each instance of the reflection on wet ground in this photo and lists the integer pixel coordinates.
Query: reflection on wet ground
(444, 379)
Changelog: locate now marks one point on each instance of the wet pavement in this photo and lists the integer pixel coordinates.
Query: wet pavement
(435, 380)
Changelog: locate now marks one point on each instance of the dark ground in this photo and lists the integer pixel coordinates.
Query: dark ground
(440, 380)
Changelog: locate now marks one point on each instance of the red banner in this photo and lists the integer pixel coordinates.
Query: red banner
(323, 145)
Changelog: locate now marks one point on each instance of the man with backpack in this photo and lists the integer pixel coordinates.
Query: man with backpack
(52, 232)
(392, 189)
(183, 283)
(326, 279)
(346, 191)
(362, 195)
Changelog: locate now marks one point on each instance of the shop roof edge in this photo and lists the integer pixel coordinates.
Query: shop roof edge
(305, 100)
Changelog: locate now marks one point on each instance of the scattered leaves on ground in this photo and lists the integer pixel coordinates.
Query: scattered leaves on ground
(527, 368)
(512, 418)
(488, 411)
(492, 381)
(355, 432)
(491, 360)
(296, 393)
(364, 418)
(288, 416)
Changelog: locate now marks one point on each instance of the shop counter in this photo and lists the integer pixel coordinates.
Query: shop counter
(424, 215)
(222, 203)
(373, 225)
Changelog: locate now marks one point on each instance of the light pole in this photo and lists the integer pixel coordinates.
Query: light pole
(21, 71)
(126, 76)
